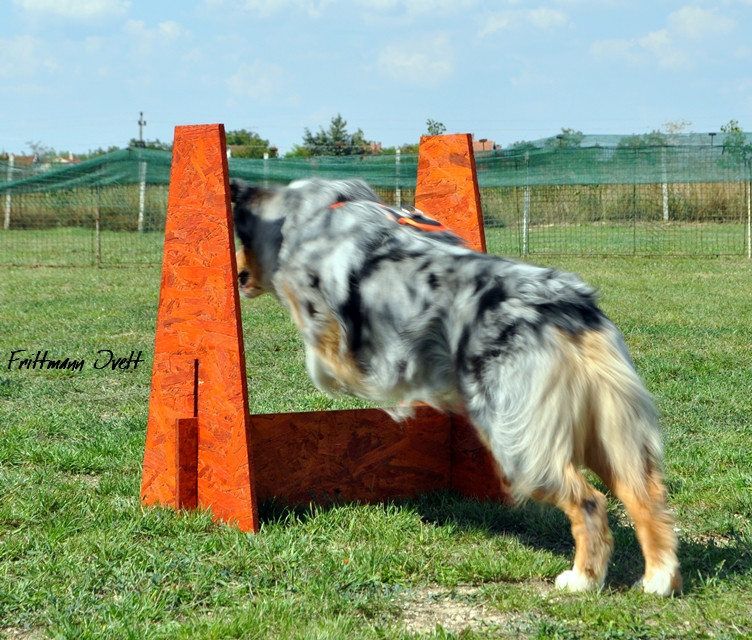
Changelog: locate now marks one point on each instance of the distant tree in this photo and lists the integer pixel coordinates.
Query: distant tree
(523, 145)
(405, 149)
(567, 139)
(652, 139)
(735, 145)
(41, 152)
(298, 151)
(334, 141)
(151, 144)
(434, 128)
(96, 153)
(248, 144)
(675, 127)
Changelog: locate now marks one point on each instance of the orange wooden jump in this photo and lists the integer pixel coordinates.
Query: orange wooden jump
(198, 446)
(202, 446)
(447, 189)
(447, 186)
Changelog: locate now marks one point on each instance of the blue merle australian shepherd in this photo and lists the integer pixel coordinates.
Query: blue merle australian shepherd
(393, 308)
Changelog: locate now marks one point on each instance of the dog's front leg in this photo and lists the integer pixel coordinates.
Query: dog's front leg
(321, 374)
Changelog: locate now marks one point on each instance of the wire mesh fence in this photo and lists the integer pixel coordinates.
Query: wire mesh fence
(600, 200)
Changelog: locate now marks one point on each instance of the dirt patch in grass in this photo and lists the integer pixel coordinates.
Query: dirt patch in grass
(15, 633)
(455, 611)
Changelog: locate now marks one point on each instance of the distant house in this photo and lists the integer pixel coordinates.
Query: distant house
(69, 160)
(21, 162)
(484, 144)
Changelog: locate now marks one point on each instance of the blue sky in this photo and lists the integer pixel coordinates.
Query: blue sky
(74, 74)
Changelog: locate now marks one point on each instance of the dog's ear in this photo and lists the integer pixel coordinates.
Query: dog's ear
(354, 189)
(239, 190)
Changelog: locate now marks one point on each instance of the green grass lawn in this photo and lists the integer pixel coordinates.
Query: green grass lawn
(611, 239)
(77, 246)
(80, 557)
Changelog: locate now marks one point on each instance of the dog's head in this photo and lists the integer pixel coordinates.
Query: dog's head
(260, 213)
(258, 227)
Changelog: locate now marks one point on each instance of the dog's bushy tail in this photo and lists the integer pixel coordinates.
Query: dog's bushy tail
(622, 422)
(583, 404)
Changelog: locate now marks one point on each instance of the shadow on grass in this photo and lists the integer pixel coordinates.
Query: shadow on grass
(543, 527)
(706, 563)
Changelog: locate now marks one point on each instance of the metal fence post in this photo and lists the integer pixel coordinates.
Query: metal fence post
(749, 209)
(98, 226)
(526, 207)
(664, 184)
(397, 190)
(6, 222)
(141, 194)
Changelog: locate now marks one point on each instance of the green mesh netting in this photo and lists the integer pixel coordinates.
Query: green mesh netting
(617, 195)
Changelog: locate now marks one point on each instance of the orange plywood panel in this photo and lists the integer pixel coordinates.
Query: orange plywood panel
(475, 473)
(199, 362)
(359, 455)
(447, 186)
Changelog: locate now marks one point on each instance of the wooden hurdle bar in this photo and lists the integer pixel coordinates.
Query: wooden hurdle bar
(203, 448)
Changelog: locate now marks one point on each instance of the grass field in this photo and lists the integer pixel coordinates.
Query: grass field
(80, 557)
(77, 246)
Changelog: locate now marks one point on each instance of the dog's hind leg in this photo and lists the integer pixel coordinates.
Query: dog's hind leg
(654, 527)
(624, 450)
(586, 509)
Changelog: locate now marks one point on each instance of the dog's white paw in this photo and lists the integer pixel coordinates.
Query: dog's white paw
(662, 583)
(576, 582)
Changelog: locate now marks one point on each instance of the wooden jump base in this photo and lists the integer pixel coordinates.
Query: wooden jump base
(203, 449)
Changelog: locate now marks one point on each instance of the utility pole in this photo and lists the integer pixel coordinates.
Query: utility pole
(141, 125)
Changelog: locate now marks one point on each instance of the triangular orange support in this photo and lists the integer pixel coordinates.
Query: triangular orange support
(447, 189)
(198, 449)
(447, 186)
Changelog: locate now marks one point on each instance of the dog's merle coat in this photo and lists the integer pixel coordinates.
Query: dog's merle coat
(396, 310)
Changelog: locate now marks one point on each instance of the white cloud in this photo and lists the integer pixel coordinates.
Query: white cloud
(171, 30)
(260, 81)
(657, 46)
(94, 44)
(541, 18)
(530, 77)
(378, 5)
(679, 45)
(694, 22)
(194, 56)
(24, 57)
(499, 22)
(437, 6)
(417, 7)
(266, 8)
(145, 39)
(317, 8)
(662, 46)
(78, 10)
(607, 50)
(426, 62)
(547, 18)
